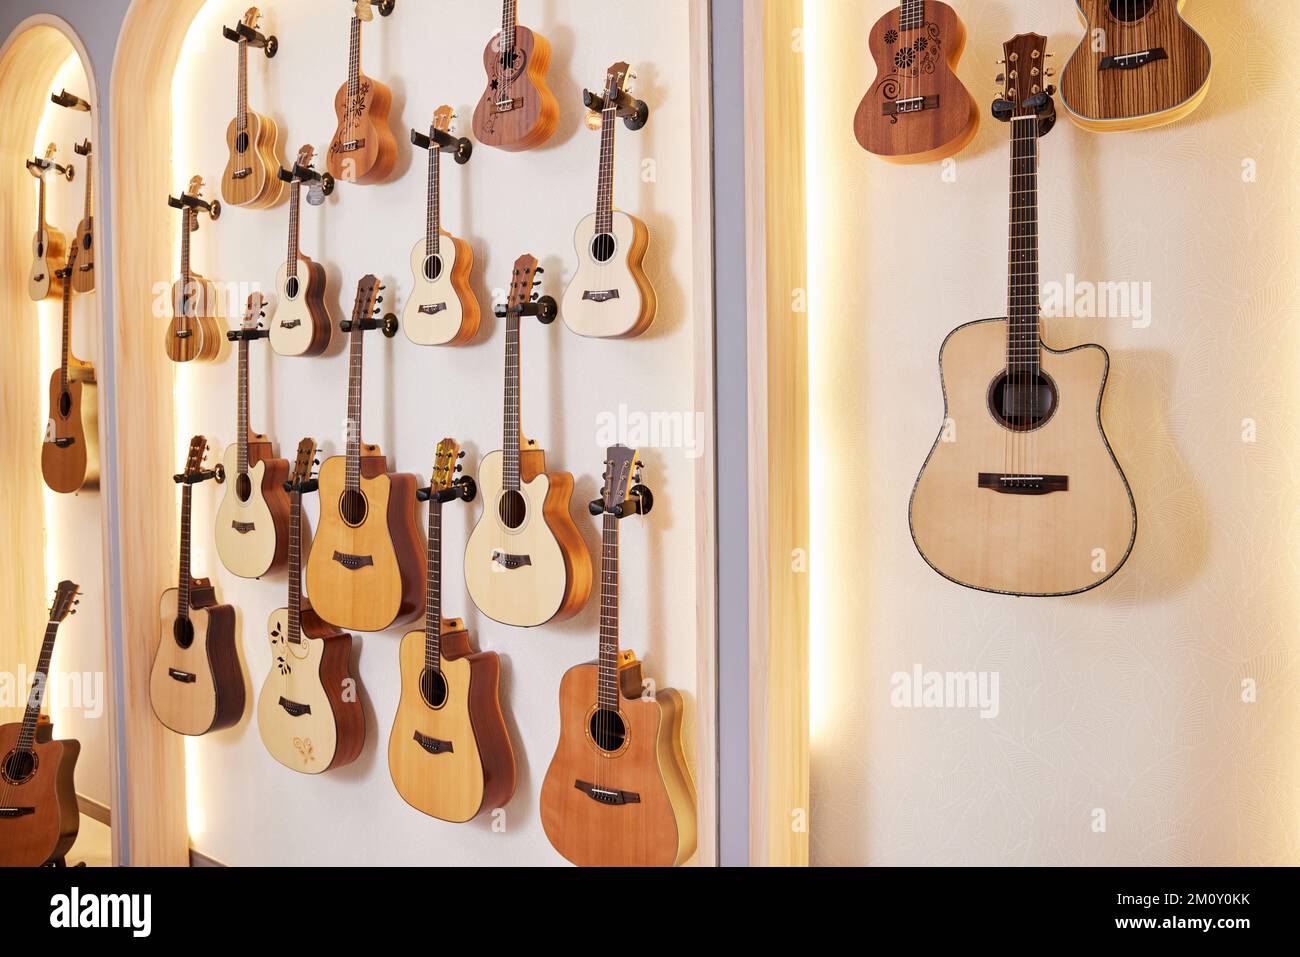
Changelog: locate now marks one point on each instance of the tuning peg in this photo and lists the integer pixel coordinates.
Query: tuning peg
(540, 270)
(1050, 71)
(460, 455)
(460, 468)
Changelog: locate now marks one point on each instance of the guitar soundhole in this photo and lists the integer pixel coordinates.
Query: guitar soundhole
(183, 632)
(1130, 11)
(513, 509)
(1020, 403)
(602, 248)
(244, 487)
(353, 507)
(65, 404)
(86, 240)
(433, 688)
(19, 766)
(291, 287)
(432, 268)
(608, 730)
(241, 143)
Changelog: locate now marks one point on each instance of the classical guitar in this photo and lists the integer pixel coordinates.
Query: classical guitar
(252, 140)
(251, 523)
(301, 325)
(49, 245)
(449, 753)
(194, 332)
(83, 279)
(917, 110)
(39, 818)
(308, 720)
(1138, 65)
(364, 572)
(517, 111)
(196, 684)
(525, 562)
(363, 149)
(441, 309)
(1025, 497)
(618, 792)
(70, 451)
(610, 296)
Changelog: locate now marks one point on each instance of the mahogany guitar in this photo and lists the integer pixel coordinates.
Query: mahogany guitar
(1026, 497)
(194, 332)
(302, 325)
(196, 684)
(252, 139)
(618, 792)
(917, 110)
(307, 720)
(49, 245)
(449, 753)
(83, 278)
(517, 111)
(70, 451)
(364, 149)
(39, 818)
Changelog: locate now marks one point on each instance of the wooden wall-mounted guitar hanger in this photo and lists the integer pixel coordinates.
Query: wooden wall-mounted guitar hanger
(39, 164)
(70, 101)
(635, 113)
(270, 45)
(213, 209)
(461, 146)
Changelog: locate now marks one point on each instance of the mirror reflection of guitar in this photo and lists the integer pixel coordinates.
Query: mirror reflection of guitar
(83, 278)
(618, 792)
(364, 149)
(70, 451)
(193, 333)
(49, 245)
(449, 753)
(518, 111)
(301, 325)
(39, 818)
(305, 719)
(253, 142)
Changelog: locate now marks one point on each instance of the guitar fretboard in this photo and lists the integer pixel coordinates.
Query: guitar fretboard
(508, 25)
(242, 403)
(241, 105)
(433, 591)
(607, 690)
(433, 220)
(354, 58)
(1023, 346)
(295, 567)
(183, 585)
(66, 353)
(911, 14)
(355, 366)
(186, 214)
(295, 195)
(511, 436)
(605, 180)
(36, 699)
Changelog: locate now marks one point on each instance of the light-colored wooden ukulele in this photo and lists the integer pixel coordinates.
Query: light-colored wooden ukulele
(308, 720)
(70, 451)
(917, 111)
(525, 562)
(1021, 494)
(194, 333)
(252, 139)
(39, 819)
(251, 527)
(49, 245)
(618, 792)
(449, 753)
(610, 296)
(196, 684)
(364, 570)
(517, 111)
(83, 278)
(441, 309)
(364, 149)
(301, 325)
(1138, 65)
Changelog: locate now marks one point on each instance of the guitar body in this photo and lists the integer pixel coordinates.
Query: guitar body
(551, 577)
(250, 178)
(302, 716)
(535, 113)
(367, 576)
(301, 325)
(917, 63)
(44, 800)
(441, 309)
(194, 334)
(611, 299)
(196, 684)
(49, 248)
(373, 158)
(657, 829)
(1060, 543)
(477, 770)
(1103, 97)
(70, 452)
(83, 277)
(253, 518)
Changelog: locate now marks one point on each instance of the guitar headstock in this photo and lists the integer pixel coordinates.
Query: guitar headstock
(198, 451)
(65, 601)
(49, 155)
(620, 475)
(304, 466)
(445, 466)
(522, 282)
(1025, 71)
(364, 11)
(254, 311)
(252, 17)
(615, 82)
(196, 186)
(366, 305)
(442, 118)
(67, 271)
(306, 153)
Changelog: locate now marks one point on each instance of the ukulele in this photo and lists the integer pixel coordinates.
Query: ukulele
(449, 753)
(518, 111)
(250, 530)
(917, 110)
(618, 792)
(364, 149)
(305, 720)
(363, 572)
(83, 279)
(1151, 68)
(1031, 500)
(610, 296)
(196, 685)
(39, 817)
(48, 244)
(442, 309)
(252, 140)
(70, 451)
(302, 324)
(525, 562)
(193, 333)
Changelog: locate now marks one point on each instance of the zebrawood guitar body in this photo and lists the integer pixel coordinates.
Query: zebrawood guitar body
(364, 149)
(196, 684)
(194, 334)
(39, 818)
(252, 524)
(249, 178)
(49, 250)
(301, 323)
(523, 113)
(611, 299)
(70, 452)
(83, 277)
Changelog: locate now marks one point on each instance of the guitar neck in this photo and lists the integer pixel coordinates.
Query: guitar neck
(433, 222)
(433, 591)
(242, 406)
(508, 22)
(241, 103)
(90, 178)
(185, 250)
(911, 14)
(295, 195)
(353, 479)
(66, 353)
(1023, 345)
(40, 679)
(607, 690)
(511, 435)
(40, 204)
(295, 567)
(605, 181)
(183, 585)
(354, 58)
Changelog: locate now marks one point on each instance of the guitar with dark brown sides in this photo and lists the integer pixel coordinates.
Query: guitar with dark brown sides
(364, 148)
(517, 111)
(70, 452)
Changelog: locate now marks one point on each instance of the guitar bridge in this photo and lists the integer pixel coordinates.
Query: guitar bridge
(184, 677)
(600, 295)
(352, 146)
(1025, 484)
(353, 562)
(40, 278)
(506, 106)
(291, 324)
(433, 745)
(61, 443)
(86, 268)
(293, 708)
(912, 104)
(511, 561)
(432, 310)
(609, 796)
(183, 334)
(1131, 61)
(242, 173)
(16, 811)
(243, 528)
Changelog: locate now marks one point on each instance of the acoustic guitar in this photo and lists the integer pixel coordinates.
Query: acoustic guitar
(49, 245)
(364, 149)
(917, 110)
(252, 139)
(70, 451)
(194, 333)
(1021, 493)
(517, 111)
(525, 562)
(363, 572)
(83, 279)
(449, 753)
(618, 792)
(307, 719)
(610, 296)
(301, 325)
(39, 818)
(196, 684)
(1138, 65)
(251, 521)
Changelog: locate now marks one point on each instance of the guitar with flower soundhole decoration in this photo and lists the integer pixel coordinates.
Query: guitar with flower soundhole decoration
(364, 149)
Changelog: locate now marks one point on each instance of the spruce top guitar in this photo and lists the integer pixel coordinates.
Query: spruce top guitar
(48, 244)
(83, 278)
(517, 111)
(39, 818)
(1026, 497)
(1138, 65)
(364, 149)
(618, 792)
(302, 325)
(193, 333)
(70, 451)
(252, 140)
